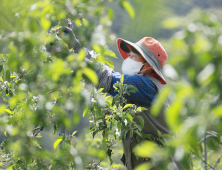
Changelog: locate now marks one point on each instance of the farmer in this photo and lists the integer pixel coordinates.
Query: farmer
(142, 65)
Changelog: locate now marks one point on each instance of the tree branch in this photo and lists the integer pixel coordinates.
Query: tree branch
(34, 135)
(53, 91)
(34, 130)
(217, 161)
(98, 163)
(205, 151)
(202, 159)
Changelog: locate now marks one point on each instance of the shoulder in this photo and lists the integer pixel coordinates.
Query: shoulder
(155, 80)
(141, 77)
(140, 80)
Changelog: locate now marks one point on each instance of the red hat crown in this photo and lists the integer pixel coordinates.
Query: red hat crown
(156, 48)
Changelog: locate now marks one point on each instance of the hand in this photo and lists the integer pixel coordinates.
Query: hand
(67, 35)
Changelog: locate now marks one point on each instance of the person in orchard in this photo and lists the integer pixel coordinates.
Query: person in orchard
(142, 65)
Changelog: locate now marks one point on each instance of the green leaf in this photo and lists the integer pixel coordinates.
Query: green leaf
(143, 166)
(123, 135)
(111, 125)
(109, 152)
(131, 133)
(109, 63)
(146, 149)
(119, 126)
(2, 108)
(5, 132)
(104, 145)
(45, 23)
(127, 105)
(217, 111)
(141, 120)
(8, 75)
(8, 111)
(55, 126)
(101, 89)
(139, 133)
(58, 140)
(74, 132)
(95, 132)
(85, 111)
(78, 22)
(9, 168)
(128, 8)
(110, 53)
(33, 26)
(117, 165)
(130, 118)
(131, 87)
(97, 48)
(110, 13)
(122, 79)
(109, 99)
(98, 118)
(166, 136)
(110, 160)
(139, 109)
(81, 55)
(139, 127)
(159, 133)
(91, 75)
(98, 110)
(149, 136)
(171, 23)
(1, 68)
(100, 125)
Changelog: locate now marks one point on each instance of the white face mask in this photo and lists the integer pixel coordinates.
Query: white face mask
(131, 67)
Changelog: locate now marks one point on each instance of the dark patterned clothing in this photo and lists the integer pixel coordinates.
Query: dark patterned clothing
(147, 90)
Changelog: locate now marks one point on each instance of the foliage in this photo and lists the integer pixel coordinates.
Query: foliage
(42, 90)
(194, 74)
(114, 119)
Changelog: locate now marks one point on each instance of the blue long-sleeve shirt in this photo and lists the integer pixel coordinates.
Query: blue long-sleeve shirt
(146, 88)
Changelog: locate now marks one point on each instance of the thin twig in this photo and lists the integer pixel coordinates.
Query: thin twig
(53, 91)
(201, 159)
(36, 128)
(205, 151)
(62, 133)
(101, 159)
(34, 135)
(98, 163)
(217, 161)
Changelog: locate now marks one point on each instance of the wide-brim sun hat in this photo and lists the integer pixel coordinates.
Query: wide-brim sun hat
(150, 49)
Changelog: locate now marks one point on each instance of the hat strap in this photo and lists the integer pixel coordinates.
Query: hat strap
(142, 68)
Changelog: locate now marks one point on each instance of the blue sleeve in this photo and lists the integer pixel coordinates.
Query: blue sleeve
(146, 88)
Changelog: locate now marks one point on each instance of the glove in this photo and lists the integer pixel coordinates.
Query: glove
(66, 34)
(69, 37)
